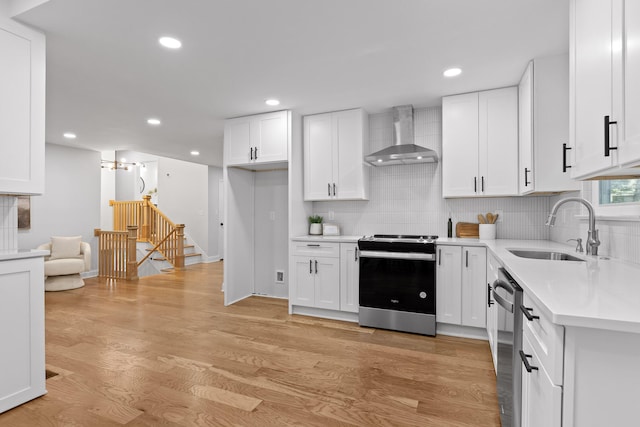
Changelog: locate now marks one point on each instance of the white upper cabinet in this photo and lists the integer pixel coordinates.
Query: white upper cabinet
(544, 127)
(605, 87)
(257, 140)
(334, 146)
(480, 144)
(22, 109)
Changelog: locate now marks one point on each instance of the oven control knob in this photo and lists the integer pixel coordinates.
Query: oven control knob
(423, 295)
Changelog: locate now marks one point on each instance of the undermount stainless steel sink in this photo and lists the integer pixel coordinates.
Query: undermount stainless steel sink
(548, 255)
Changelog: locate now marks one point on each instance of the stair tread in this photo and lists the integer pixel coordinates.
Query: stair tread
(185, 246)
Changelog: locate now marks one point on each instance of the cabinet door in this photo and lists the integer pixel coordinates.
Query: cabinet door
(349, 130)
(474, 286)
(449, 285)
(318, 157)
(237, 141)
(303, 282)
(460, 145)
(22, 109)
(492, 309)
(541, 399)
(525, 130)
(591, 85)
(270, 135)
(327, 283)
(498, 142)
(349, 277)
(627, 83)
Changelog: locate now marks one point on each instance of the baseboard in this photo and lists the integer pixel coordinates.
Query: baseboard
(88, 274)
(325, 314)
(210, 259)
(462, 331)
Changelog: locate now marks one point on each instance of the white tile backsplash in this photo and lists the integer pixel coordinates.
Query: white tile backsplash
(408, 199)
(8, 223)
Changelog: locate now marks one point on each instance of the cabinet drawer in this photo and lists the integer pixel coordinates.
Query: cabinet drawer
(546, 338)
(316, 249)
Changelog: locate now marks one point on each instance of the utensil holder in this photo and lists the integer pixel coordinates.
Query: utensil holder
(487, 231)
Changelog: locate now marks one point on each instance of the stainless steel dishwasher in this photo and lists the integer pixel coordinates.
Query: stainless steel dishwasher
(508, 294)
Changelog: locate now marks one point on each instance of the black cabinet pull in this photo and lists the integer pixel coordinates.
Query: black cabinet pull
(489, 302)
(313, 245)
(482, 180)
(527, 366)
(328, 189)
(527, 312)
(526, 177)
(607, 127)
(467, 256)
(316, 266)
(251, 155)
(564, 158)
(334, 188)
(439, 256)
(356, 255)
(310, 267)
(475, 184)
(255, 153)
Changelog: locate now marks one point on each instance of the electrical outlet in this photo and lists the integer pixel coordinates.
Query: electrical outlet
(272, 215)
(279, 276)
(332, 215)
(500, 215)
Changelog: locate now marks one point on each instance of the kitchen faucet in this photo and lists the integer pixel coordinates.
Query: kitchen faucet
(592, 236)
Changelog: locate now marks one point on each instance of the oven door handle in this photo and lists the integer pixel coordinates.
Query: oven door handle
(398, 255)
(507, 305)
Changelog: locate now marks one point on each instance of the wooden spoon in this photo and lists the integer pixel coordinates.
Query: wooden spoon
(495, 219)
(481, 219)
(490, 218)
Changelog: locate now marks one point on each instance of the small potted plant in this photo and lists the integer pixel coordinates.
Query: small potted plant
(315, 224)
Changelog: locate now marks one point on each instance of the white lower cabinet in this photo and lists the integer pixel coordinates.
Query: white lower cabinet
(461, 285)
(492, 309)
(325, 276)
(349, 277)
(22, 362)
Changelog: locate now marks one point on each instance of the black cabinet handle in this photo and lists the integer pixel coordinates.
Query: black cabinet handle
(328, 189)
(526, 177)
(356, 255)
(251, 155)
(482, 180)
(489, 302)
(467, 256)
(475, 184)
(439, 256)
(334, 188)
(525, 361)
(607, 127)
(313, 245)
(255, 153)
(310, 267)
(527, 312)
(316, 266)
(564, 158)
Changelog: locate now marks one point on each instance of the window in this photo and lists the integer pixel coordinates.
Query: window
(618, 197)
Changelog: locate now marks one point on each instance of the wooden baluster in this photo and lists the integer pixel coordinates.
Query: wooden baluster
(179, 256)
(132, 263)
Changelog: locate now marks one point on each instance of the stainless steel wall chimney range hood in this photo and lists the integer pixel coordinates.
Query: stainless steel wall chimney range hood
(403, 151)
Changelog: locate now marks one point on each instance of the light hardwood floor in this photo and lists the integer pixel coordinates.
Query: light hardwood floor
(166, 352)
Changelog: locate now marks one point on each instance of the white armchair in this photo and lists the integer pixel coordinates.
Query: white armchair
(69, 257)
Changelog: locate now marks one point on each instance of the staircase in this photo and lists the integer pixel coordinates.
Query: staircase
(144, 241)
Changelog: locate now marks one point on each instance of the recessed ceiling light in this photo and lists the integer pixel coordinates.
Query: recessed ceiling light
(154, 122)
(170, 42)
(452, 72)
(272, 102)
(195, 153)
(69, 135)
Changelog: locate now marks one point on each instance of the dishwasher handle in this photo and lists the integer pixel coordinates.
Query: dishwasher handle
(507, 305)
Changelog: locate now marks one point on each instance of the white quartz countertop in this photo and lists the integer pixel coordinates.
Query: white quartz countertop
(599, 293)
(8, 255)
(331, 239)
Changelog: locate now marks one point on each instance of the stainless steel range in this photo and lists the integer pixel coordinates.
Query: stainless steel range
(398, 283)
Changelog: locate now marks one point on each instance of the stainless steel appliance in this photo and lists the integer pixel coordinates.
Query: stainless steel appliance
(398, 283)
(508, 294)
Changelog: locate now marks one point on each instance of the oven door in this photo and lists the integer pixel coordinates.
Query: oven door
(398, 281)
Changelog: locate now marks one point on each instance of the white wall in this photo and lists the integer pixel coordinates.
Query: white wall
(107, 192)
(70, 205)
(183, 196)
(408, 199)
(215, 214)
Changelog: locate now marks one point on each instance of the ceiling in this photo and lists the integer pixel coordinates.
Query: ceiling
(106, 72)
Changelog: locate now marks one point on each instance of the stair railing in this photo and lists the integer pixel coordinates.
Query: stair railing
(148, 224)
(117, 253)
